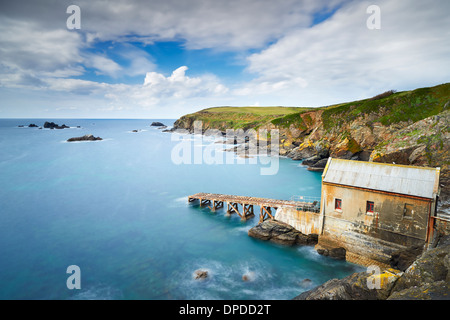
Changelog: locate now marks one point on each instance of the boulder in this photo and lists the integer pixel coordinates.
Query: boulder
(32, 125)
(358, 286)
(200, 274)
(402, 259)
(157, 124)
(319, 165)
(301, 152)
(311, 161)
(281, 233)
(335, 253)
(87, 137)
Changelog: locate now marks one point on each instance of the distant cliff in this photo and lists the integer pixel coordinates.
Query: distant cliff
(409, 127)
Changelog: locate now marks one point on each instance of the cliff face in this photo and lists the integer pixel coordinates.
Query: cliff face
(410, 127)
(425, 278)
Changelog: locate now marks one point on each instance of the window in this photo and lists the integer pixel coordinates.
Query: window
(408, 210)
(338, 204)
(369, 207)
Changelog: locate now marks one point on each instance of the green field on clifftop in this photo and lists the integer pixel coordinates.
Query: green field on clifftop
(387, 108)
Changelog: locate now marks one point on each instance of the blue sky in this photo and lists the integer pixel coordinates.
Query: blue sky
(164, 59)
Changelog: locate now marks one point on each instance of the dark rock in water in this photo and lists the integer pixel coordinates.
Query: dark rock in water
(134, 131)
(87, 137)
(52, 125)
(311, 161)
(249, 276)
(49, 125)
(200, 274)
(306, 283)
(402, 259)
(157, 124)
(32, 125)
(336, 253)
(321, 163)
(281, 233)
(163, 127)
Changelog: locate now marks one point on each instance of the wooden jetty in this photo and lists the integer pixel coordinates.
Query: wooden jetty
(215, 201)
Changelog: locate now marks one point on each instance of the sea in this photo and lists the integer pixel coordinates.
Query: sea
(117, 210)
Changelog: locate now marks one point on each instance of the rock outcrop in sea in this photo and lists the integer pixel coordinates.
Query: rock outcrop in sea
(52, 125)
(87, 137)
(282, 233)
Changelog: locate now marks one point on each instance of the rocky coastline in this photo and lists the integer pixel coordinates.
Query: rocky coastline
(409, 128)
(426, 277)
(414, 273)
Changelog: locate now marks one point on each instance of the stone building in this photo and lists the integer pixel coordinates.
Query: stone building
(372, 209)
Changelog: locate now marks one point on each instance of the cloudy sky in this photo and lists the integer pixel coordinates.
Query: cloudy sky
(163, 59)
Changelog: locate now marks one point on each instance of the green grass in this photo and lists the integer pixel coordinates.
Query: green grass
(399, 107)
(388, 109)
(260, 111)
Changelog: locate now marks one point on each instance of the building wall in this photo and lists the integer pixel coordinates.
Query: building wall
(376, 235)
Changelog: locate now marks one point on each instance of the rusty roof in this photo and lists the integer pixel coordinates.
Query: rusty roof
(409, 180)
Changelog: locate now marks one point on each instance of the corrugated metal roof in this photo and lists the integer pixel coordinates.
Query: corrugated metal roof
(409, 180)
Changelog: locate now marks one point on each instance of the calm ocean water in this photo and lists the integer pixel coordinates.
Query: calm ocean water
(118, 209)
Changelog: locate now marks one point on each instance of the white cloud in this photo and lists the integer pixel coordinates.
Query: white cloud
(102, 64)
(342, 59)
(178, 85)
(335, 61)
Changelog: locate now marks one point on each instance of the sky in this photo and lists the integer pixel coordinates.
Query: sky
(163, 59)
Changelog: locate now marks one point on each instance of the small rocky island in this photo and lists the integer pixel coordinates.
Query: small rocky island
(87, 137)
(157, 124)
(52, 125)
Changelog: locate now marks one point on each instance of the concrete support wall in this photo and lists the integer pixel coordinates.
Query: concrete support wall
(304, 221)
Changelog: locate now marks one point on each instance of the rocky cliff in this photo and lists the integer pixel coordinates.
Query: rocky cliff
(410, 127)
(426, 278)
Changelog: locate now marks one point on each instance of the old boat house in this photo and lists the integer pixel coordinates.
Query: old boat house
(371, 209)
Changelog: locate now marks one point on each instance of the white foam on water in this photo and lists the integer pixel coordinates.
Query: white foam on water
(101, 292)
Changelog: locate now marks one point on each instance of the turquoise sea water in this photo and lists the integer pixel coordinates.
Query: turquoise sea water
(118, 209)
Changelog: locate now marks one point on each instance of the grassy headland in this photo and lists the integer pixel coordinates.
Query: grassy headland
(408, 127)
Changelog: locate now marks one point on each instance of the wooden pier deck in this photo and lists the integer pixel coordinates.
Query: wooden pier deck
(215, 201)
